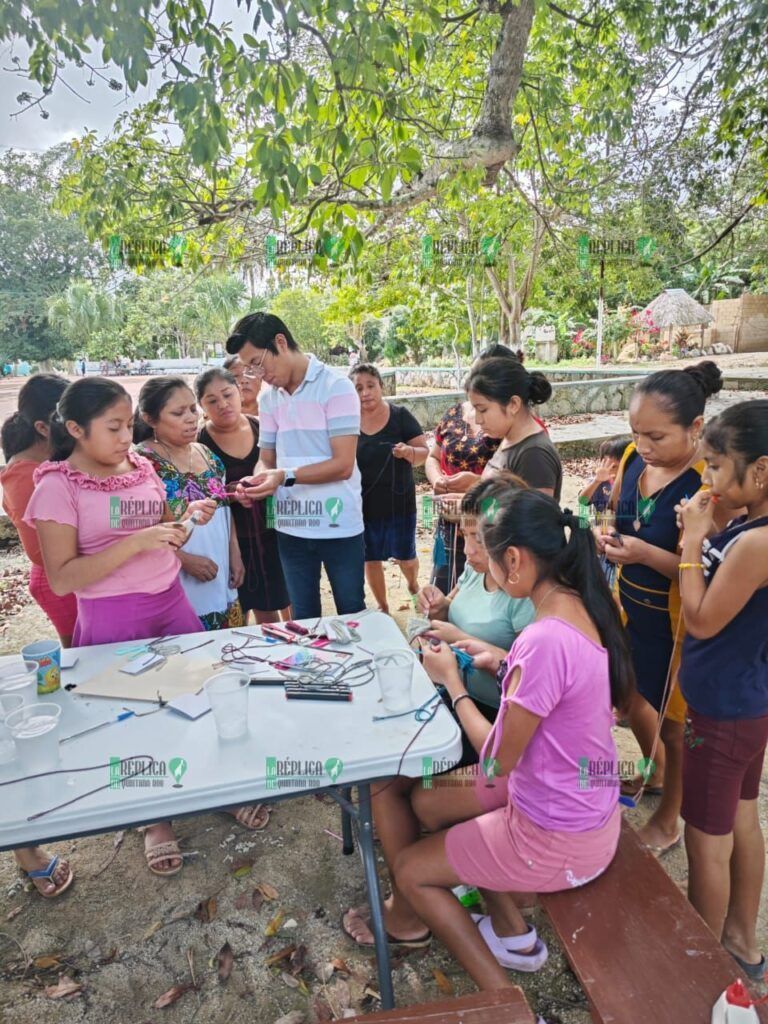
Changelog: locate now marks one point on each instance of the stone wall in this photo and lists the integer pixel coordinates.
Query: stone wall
(447, 377)
(568, 398)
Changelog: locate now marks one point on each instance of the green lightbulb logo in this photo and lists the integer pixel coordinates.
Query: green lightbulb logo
(334, 766)
(488, 508)
(178, 766)
(334, 506)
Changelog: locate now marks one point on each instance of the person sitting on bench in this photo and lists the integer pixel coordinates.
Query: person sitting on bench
(533, 823)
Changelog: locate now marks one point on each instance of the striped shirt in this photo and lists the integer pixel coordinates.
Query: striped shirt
(298, 427)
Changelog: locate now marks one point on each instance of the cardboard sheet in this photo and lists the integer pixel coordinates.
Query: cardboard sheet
(181, 674)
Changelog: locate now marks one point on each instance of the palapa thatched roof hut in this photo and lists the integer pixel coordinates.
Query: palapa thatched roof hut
(676, 308)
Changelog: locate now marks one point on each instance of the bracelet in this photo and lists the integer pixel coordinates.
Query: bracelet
(456, 700)
(691, 565)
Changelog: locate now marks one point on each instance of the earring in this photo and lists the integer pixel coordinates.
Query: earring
(514, 579)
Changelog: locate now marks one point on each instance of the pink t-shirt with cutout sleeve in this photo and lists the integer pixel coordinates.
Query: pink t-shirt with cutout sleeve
(565, 779)
(103, 511)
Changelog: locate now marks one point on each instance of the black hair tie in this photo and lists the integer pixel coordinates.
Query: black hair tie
(566, 517)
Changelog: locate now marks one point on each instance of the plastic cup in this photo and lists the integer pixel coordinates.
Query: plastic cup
(47, 654)
(35, 731)
(20, 678)
(395, 672)
(8, 702)
(228, 697)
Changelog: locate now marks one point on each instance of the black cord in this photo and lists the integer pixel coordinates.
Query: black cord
(70, 771)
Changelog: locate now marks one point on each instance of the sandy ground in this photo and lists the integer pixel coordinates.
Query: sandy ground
(127, 937)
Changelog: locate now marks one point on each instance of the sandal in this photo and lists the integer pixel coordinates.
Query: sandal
(754, 972)
(364, 912)
(633, 788)
(48, 873)
(506, 951)
(163, 851)
(245, 814)
(661, 851)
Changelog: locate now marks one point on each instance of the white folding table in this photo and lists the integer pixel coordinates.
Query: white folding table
(227, 773)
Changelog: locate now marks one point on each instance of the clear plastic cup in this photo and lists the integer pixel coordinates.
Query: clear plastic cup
(47, 654)
(228, 697)
(20, 678)
(395, 672)
(35, 731)
(8, 702)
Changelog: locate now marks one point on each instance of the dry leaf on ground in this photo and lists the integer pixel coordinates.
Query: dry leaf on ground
(64, 987)
(172, 995)
(282, 954)
(274, 925)
(225, 959)
(206, 910)
(269, 892)
(443, 982)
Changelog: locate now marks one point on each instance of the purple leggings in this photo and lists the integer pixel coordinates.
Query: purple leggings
(109, 620)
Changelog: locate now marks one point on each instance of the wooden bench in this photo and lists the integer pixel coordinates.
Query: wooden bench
(637, 946)
(506, 1006)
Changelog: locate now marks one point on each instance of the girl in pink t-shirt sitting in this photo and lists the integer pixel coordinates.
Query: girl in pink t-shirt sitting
(107, 536)
(540, 817)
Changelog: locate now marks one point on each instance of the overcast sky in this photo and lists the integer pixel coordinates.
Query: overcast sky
(70, 116)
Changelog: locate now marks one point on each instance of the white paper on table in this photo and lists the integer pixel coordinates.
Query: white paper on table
(191, 705)
(68, 658)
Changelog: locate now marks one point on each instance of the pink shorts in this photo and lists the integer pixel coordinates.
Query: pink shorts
(504, 851)
(62, 611)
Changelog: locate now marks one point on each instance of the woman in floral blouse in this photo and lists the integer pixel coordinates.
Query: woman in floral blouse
(212, 568)
(454, 465)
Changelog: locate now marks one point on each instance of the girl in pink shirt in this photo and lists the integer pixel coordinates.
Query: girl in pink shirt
(107, 536)
(543, 814)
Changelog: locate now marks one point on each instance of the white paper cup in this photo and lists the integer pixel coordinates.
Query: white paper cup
(228, 697)
(35, 731)
(395, 673)
(8, 702)
(20, 678)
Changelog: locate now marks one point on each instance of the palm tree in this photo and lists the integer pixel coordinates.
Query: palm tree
(82, 312)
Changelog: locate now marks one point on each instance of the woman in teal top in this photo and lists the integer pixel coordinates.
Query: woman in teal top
(476, 609)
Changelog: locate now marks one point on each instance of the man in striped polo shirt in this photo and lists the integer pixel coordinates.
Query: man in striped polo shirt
(309, 420)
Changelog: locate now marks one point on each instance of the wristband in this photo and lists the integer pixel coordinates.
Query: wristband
(456, 700)
(691, 565)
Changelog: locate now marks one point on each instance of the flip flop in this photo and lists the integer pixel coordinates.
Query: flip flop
(755, 972)
(661, 851)
(630, 787)
(163, 851)
(507, 952)
(421, 943)
(48, 873)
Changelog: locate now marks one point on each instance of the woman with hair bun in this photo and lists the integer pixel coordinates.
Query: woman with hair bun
(502, 392)
(659, 469)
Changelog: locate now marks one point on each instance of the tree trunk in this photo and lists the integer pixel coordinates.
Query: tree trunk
(471, 316)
